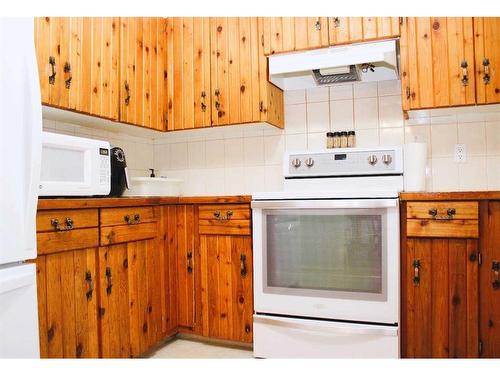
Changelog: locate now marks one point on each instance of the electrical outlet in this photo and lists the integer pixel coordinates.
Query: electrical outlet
(460, 153)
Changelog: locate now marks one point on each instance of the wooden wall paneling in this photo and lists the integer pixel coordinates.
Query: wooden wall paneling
(489, 318)
(486, 45)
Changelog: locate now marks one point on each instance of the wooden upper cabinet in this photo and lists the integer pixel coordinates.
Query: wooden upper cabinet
(286, 34)
(343, 30)
(78, 63)
(143, 72)
(487, 56)
(437, 62)
(234, 70)
(188, 52)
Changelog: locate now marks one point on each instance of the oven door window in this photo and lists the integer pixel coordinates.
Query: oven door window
(326, 253)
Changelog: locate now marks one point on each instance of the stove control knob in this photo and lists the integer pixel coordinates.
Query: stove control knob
(387, 159)
(372, 159)
(309, 162)
(296, 163)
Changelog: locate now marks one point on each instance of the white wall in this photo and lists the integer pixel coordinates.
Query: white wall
(245, 159)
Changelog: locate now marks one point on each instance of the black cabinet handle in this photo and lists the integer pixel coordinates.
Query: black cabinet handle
(243, 265)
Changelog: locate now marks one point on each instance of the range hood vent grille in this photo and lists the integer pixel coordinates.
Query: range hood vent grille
(329, 79)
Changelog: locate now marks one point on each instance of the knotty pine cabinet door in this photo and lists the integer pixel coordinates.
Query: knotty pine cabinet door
(143, 72)
(226, 285)
(287, 34)
(188, 95)
(440, 298)
(130, 306)
(187, 266)
(437, 62)
(234, 68)
(67, 304)
(489, 281)
(487, 56)
(345, 30)
(78, 63)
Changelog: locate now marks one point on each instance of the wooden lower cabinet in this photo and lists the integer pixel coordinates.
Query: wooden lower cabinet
(130, 306)
(440, 294)
(226, 278)
(489, 281)
(67, 304)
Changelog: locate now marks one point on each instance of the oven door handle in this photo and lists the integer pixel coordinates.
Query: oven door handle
(337, 328)
(330, 203)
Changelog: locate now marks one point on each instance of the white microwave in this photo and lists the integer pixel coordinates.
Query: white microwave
(74, 166)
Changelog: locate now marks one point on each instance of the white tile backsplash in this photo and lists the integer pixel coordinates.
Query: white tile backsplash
(246, 159)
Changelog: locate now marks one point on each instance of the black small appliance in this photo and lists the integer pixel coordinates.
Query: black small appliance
(119, 176)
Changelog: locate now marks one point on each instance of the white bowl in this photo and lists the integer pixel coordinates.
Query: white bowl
(154, 187)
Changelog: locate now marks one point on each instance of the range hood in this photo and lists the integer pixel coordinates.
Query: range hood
(361, 62)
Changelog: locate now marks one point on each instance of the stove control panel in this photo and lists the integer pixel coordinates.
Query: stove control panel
(345, 162)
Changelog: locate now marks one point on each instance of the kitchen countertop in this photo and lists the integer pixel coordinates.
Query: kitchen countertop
(65, 203)
(445, 196)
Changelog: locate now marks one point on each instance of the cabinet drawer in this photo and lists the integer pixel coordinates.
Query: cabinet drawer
(431, 210)
(224, 219)
(126, 233)
(126, 215)
(442, 228)
(59, 220)
(53, 242)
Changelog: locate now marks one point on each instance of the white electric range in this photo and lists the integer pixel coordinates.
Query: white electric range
(326, 256)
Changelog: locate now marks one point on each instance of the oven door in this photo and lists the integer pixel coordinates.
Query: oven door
(333, 259)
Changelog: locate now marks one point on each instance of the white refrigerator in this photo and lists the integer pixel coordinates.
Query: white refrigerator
(20, 153)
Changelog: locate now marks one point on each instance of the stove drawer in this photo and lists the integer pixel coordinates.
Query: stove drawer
(284, 337)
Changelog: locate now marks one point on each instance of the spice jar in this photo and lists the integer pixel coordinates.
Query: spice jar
(329, 140)
(351, 138)
(343, 139)
(336, 139)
